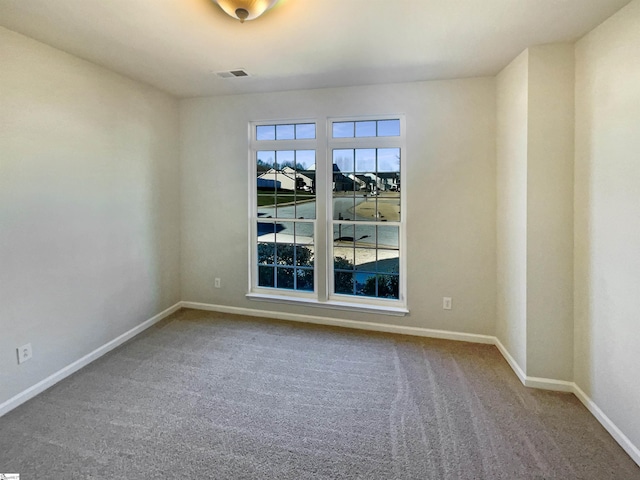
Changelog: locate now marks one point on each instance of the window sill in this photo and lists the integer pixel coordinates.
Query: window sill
(330, 304)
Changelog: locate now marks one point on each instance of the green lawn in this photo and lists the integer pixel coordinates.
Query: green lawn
(282, 198)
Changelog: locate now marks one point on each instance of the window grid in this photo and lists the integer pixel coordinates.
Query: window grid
(366, 193)
(373, 270)
(285, 207)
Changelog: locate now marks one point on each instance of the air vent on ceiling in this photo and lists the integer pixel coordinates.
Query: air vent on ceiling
(233, 74)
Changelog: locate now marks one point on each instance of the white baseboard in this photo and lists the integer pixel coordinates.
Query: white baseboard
(549, 384)
(63, 373)
(564, 386)
(339, 322)
(612, 428)
(511, 361)
(533, 382)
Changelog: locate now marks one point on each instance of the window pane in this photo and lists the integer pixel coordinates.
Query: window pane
(343, 186)
(304, 233)
(305, 131)
(306, 160)
(388, 286)
(266, 181)
(389, 160)
(388, 261)
(266, 277)
(343, 206)
(343, 161)
(284, 254)
(284, 277)
(389, 181)
(266, 160)
(366, 284)
(366, 129)
(388, 128)
(266, 132)
(304, 256)
(365, 160)
(365, 236)
(286, 160)
(344, 283)
(365, 259)
(344, 232)
(350, 184)
(267, 231)
(266, 205)
(343, 258)
(285, 234)
(266, 253)
(388, 236)
(342, 129)
(305, 202)
(285, 132)
(286, 205)
(285, 199)
(365, 208)
(388, 207)
(304, 279)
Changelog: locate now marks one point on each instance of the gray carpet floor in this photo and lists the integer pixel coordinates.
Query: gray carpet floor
(212, 396)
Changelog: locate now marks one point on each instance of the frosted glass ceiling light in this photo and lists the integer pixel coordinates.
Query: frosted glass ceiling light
(245, 9)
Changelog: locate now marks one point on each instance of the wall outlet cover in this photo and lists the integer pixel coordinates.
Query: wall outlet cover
(24, 353)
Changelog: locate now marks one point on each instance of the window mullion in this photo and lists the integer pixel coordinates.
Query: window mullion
(323, 210)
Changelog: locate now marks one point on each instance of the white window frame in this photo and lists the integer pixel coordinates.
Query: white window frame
(368, 142)
(323, 294)
(276, 145)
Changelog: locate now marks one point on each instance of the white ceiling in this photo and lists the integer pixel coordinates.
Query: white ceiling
(178, 45)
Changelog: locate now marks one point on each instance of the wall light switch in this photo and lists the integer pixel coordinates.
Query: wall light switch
(216, 283)
(447, 303)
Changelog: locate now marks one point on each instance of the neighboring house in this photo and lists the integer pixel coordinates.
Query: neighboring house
(304, 179)
(382, 181)
(363, 182)
(341, 182)
(389, 181)
(376, 183)
(287, 179)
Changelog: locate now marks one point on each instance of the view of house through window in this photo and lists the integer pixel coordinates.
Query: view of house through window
(286, 207)
(362, 229)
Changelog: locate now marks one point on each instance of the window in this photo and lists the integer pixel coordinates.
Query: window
(326, 213)
(286, 212)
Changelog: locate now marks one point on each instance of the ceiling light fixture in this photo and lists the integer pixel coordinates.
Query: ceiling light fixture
(245, 9)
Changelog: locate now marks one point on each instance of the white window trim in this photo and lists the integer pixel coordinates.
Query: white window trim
(323, 295)
(369, 142)
(330, 304)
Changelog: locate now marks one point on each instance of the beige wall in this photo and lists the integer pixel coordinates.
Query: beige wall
(607, 218)
(450, 190)
(535, 121)
(550, 212)
(89, 198)
(511, 222)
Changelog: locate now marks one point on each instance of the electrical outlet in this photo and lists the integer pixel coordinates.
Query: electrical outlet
(24, 353)
(216, 283)
(447, 303)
